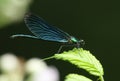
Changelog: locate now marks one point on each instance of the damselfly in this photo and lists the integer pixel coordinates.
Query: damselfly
(42, 30)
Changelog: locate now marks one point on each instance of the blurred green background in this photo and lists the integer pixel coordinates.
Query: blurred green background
(97, 22)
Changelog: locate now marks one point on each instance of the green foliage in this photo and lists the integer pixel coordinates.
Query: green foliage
(76, 77)
(82, 59)
(12, 11)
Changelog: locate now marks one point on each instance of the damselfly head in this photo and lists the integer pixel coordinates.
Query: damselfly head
(81, 42)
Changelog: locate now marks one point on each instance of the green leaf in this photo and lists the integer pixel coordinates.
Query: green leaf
(76, 77)
(82, 59)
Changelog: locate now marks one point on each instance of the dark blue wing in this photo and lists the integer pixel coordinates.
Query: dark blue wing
(43, 30)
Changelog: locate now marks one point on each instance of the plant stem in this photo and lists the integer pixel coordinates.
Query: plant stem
(48, 58)
(101, 78)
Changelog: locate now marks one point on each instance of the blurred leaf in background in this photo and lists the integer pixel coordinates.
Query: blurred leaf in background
(12, 11)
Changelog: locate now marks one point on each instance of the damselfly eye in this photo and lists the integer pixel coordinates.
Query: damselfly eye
(82, 42)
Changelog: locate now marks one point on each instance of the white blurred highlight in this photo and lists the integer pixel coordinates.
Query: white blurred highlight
(48, 74)
(34, 65)
(40, 71)
(11, 67)
(9, 62)
(14, 69)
